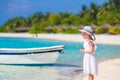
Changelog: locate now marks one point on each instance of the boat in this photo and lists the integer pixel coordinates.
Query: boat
(30, 55)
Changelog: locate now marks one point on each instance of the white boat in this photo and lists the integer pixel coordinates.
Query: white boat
(30, 55)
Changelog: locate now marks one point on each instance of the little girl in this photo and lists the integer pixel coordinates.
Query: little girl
(89, 62)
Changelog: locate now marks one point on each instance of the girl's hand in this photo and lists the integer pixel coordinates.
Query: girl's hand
(82, 50)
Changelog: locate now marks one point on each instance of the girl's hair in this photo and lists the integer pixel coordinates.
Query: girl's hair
(90, 37)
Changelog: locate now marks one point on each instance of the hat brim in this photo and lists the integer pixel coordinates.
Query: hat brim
(93, 37)
(85, 32)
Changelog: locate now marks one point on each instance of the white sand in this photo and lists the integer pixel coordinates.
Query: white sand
(108, 70)
(103, 39)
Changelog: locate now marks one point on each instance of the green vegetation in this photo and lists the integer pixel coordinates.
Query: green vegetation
(108, 13)
(100, 30)
(114, 30)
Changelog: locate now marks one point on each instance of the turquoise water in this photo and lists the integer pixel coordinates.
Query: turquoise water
(71, 51)
(67, 65)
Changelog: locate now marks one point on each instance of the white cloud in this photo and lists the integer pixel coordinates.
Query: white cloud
(18, 5)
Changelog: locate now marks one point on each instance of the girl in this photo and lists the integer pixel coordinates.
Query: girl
(89, 62)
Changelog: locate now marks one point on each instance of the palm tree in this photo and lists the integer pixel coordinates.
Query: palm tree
(94, 10)
(84, 8)
(116, 4)
(28, 22)
(37, 17)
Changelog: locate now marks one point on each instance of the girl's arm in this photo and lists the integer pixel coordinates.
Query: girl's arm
(91, 50)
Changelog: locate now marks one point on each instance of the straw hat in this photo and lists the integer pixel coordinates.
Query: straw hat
(88, 30)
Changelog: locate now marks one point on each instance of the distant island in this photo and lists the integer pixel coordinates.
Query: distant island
(103, 19)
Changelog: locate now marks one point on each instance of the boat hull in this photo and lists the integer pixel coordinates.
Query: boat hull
(44, 56)
(29, 58)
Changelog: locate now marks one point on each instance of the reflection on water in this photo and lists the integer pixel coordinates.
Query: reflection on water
(39, 72)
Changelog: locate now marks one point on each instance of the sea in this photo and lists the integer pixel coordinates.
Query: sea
(67, 66)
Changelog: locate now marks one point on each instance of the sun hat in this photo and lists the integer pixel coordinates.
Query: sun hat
(88, 30)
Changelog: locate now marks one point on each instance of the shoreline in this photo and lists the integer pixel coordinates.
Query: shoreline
(100, 39)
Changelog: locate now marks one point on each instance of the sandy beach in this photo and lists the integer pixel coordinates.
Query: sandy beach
(102, 39)
(108, 70)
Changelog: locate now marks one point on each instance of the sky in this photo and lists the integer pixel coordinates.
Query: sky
(25, 8)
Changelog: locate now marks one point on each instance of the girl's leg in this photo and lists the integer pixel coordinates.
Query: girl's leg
(91, 77)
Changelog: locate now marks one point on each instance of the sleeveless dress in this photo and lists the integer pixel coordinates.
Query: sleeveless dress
(89, 62)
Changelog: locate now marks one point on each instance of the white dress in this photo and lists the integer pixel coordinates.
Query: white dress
(89, 62)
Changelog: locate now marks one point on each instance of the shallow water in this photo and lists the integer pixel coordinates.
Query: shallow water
(8, 72)
(67, 66)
